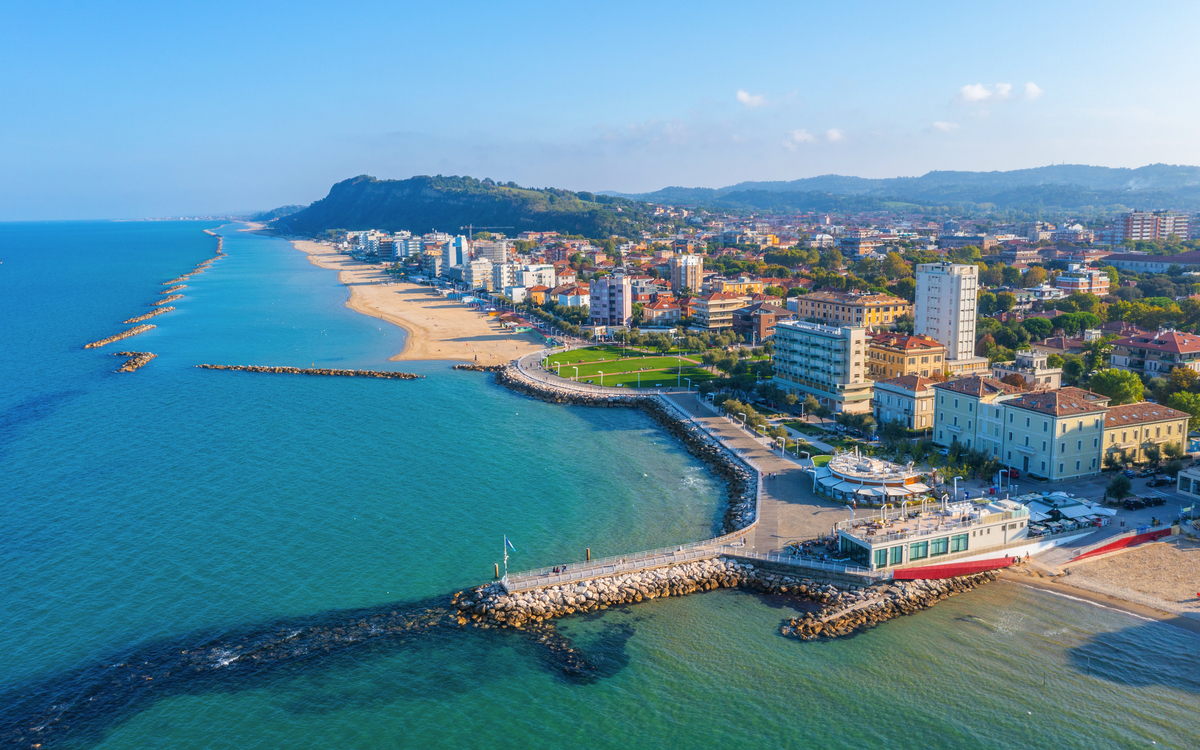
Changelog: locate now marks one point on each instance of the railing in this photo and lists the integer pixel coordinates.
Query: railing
(941, 528)
(805, 562)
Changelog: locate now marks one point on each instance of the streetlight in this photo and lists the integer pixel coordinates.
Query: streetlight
(689, 380)
(601, 378)
(743, 416)
(763, 427)
(1004, 473)
(956, 489)
(576, 373)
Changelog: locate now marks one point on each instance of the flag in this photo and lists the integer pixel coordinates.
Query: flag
(509, 544)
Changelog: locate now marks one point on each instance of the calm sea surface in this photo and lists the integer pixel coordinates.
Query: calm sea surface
(145, 514)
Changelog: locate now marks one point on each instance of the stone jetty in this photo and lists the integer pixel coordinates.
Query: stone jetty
(316, 371)
(480, 368)
(119, 336)
(167, 300)
(844, 609)
(136, 360)
(174, 289)
(149, 315)
(855, 610)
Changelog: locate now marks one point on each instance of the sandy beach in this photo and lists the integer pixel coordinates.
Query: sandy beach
(437, 328)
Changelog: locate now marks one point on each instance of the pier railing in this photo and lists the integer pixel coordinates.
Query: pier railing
(800, 561)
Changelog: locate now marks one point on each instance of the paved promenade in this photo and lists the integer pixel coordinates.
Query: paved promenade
(789, 508)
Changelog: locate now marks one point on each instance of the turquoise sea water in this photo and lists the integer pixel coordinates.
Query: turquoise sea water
(150, 513)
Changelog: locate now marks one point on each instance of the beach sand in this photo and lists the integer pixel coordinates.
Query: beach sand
(1163, 575)
(437, 328)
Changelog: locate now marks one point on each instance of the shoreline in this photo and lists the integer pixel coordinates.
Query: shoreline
(1106, 601)
(435, 328)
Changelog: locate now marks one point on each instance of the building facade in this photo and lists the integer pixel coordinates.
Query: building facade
(715, 311)
(1153, 225)
(477, 274)
(611, 301)
(826, 362)
(891, 355)
(946, 311)
(1033, 367)
(686, 272)
(1157, 354)
(907, 399)
(1131, 428)
(850, 308)
(1080, 279)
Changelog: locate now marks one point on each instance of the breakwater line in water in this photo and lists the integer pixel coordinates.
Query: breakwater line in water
(123, 335)
(167, 300)
(316, 371)
(79, 705)
(174, 289)
(149, 315)
(136, 360)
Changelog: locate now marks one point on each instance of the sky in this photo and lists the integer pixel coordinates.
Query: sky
(132, 109)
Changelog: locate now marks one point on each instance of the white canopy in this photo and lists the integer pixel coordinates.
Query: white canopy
(830, 481)
(1075, 511)
(822, 471)
(1036, 507)
(847, 487)
(873, 491)
(1036, 516)
(899, 491)
(1101, 511)
(917, 487)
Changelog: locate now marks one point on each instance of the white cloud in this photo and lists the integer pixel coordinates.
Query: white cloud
(1032, 90)
(796, 137)
(945, 127)
(833, 135)
(750, 100)
(976, 93)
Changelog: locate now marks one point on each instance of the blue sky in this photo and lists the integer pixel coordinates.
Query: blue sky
(131, 109)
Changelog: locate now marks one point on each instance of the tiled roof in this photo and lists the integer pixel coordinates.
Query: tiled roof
(977, 385)
(1063, 402)
(904, 341)
(1119, 416)
(908, 382)
(1164, 341)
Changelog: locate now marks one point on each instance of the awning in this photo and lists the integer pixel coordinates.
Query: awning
(846, 487)
(1035, 516)
(830, 481)
(872, 491)
(1099, 511)
(917, 487)
(899, 491)
(1075, 511)
(821, 471)
(1036, 507)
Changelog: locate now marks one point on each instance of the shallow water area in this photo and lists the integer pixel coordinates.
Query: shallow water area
(172, 506)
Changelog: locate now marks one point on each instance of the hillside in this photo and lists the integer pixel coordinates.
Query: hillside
(449, 204)
(1064, 187)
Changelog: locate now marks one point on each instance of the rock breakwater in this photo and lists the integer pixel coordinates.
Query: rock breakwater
(167, 300)
(866, 608)
(149, 315)
(174, 289)
(481, 368)
(316, 371)
(136, 360)
(124, 335)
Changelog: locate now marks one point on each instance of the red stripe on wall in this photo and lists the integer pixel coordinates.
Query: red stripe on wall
(951, 570)
(1129, 541)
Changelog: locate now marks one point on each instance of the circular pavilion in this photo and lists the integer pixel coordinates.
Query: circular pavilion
(850, 476)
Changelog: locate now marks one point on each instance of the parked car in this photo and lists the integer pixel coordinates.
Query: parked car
(1129, 473)
(1154, 501)
(1147, 473)
(1160, 482)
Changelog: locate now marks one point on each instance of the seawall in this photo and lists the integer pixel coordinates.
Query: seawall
(136, 360)
(316, 371)
(123, 335)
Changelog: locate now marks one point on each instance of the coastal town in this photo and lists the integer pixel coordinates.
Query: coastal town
(1004, 385)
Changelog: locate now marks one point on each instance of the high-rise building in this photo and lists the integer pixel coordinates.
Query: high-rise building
(1153, 225)
(477, 274)
(686, 272)
(496, 252)
(946, 312)
(504, 275)
(611, 301)
(827, 362)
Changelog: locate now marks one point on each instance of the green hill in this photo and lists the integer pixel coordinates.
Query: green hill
(448, 204)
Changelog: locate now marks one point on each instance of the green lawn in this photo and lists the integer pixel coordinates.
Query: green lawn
(652, 379)
(615, 366)
(821, 460)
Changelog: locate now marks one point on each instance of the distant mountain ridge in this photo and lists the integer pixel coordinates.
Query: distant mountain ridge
(424, 203)
(1060, 186)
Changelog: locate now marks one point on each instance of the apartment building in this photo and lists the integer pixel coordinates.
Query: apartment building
(687, 272)
(850, 308)
(1153, 225)
(504, 275)
(1034, 367)
(946, 312)
(611, 301)
(758, 320)
(907, 399)
(494, 251)
(1131, 428)
(1078, 278)
(966, 411)
(537, 274)
(477, 274)
(715, 311)
(741, 286)
(826, 362)
(1157, 354)
(891, 355)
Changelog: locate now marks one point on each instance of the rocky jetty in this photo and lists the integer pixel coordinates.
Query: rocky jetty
(174, 289)
(149, 315)
(119, 336)
(481, 368)
(166, 300)
(136, 360)
(844, 609)
(855, 610)
(741, 484)
(317, 371)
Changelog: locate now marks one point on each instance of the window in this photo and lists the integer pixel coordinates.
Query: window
(971, 406)
(1043, 465)
(1010, 455)
(1093, 463)
(1064, 429)
(941, 416)
(1076, 466)
(1168, 429)
(897, 555)
(1060, 469)
(918, 551)
(1026, 440)
(955, 403)
(1078, 445)
(1095, 442)
(939, 434)
(997, 412)
(1045, 426)
(941, 399)
(968, 424)
(1157, 432)
(1062, 448)
(939, 546)
(1081, 424)
(881, 556)
(1026, 421)
(1043, 445)
(1123, 437)
(1010, 436)
(958, 543)
(955, 420)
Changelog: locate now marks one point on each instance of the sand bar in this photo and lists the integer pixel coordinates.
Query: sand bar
(438, 328)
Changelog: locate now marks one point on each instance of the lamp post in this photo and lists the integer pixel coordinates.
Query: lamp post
(576, 373)
(689, 380)
(763, 427)
(601, 377)
(743, 416)
(956, 489)
(1004, 473)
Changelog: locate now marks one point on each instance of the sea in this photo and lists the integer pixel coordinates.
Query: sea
(192, 558)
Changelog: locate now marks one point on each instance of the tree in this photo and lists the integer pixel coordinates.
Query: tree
(1121, 386)
(1173, 450)
(1111, 462)
(822, 411)
(1054, 360)
(811, 404)
(986, 303)
(1119, 487)
(1188, 402)
(1038, 328)
(894, 266)
(893, 431)
(993, 276)
(1114, 278)
(1173, 467)
(1073, 369)
(1183, 379)
(1035, 276)
(1005, 301)
(1012, 276)
(905, 288)
(1016, 380)
(831, 259)
(1153, 454)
